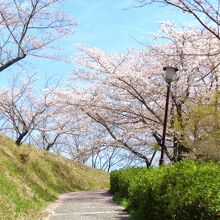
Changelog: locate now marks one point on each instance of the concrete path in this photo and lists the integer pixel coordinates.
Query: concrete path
(92, 205)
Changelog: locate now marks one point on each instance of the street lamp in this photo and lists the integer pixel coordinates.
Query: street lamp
(169, 77)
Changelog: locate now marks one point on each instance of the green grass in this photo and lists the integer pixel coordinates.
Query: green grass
(30, 179)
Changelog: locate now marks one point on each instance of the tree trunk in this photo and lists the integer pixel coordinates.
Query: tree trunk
(179, 150)
(19, 139)
(48, 147)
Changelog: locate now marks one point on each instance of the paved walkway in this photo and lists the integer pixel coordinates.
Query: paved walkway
(92, 205)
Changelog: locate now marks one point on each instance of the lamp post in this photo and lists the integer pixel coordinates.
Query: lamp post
(169, 77)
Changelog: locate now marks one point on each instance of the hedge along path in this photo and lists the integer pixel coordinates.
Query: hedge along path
(88, 205)
(187, 190)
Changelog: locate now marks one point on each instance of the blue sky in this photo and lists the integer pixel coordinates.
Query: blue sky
(112, 26)
(107, 24)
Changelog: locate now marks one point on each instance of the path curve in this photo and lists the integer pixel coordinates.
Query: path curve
(88, 205)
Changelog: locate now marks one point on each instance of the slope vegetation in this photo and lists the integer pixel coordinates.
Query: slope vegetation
(30, 179)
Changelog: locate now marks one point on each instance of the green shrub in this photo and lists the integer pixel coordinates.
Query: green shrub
(120, 181)
(144, 191)
(186, 190)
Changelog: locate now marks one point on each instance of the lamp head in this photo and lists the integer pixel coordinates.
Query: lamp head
(170, 73)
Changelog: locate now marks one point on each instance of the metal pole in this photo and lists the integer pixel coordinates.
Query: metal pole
(165, 126)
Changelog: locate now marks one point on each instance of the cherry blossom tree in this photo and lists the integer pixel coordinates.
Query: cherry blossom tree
(62, 131)
(110, 158)
(124, 93)
(48, 133)
(206, 12)
(29, 26)
(22, 108)
(88, 143)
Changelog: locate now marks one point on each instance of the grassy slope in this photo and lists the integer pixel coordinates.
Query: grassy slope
(30, 179)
